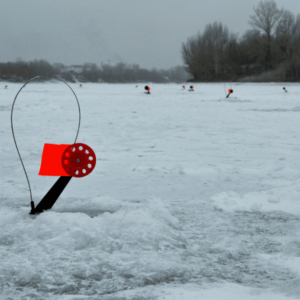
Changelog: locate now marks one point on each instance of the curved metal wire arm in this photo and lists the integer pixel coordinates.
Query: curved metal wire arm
(13, 133)
(77, 104)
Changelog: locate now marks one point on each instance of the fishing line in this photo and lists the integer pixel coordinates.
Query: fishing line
(12, 127)
(226, 88)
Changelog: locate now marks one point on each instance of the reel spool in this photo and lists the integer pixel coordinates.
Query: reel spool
(78, 160)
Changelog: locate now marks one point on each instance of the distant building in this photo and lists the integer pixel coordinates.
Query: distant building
(58, 66)
(89, 65)
(74, 69)
(77, 69)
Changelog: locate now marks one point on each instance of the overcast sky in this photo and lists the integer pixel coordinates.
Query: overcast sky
(146, 32)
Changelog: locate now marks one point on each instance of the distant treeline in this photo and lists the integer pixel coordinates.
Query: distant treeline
(270, 51)
(21, 71)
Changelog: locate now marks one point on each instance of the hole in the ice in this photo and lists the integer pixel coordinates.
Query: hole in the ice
(85, 209)
(90, 212)
(80, 148)
(89, 165)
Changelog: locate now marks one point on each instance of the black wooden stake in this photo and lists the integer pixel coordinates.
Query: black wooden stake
(50, 198)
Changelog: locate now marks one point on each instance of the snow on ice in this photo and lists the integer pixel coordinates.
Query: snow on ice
(194, 196)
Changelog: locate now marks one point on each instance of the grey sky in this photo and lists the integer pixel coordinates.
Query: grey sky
(146, 32)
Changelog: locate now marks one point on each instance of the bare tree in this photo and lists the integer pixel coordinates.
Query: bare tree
(266, 19)
(190, 54)
(285, 32)
(205, 53)
(296, 38)
(216, 37)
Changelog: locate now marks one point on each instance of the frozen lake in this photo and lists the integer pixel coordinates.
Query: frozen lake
(194, 196)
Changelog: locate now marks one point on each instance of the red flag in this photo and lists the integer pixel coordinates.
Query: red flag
(51, 160)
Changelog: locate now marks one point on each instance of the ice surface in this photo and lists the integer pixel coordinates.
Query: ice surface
(279, 199)
(193, 196)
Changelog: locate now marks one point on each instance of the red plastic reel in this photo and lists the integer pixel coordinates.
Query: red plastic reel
(78, 160)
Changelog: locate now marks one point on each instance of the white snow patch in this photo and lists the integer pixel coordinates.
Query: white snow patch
(280, 199)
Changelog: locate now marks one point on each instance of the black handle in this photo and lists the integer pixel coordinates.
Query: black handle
(50, 198)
